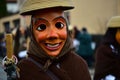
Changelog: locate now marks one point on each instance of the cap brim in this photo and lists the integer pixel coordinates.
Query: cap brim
(59, 7)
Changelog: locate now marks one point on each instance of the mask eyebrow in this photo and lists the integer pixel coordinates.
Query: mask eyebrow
(34, 20)
(59, 17)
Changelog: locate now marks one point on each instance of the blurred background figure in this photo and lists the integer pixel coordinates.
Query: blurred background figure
(85, 48)
(107, 60)
(3, 75)
(75, 34)
(2, 46)
(21, 35)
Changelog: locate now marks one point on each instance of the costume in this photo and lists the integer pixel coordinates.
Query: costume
(107, 60)
(69, 67)
(50, 52)
(66, 65)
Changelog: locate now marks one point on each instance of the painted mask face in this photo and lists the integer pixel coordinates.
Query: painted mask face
(49, 29)
(117, 36)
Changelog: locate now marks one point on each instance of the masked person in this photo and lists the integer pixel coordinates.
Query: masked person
(107, 65)
(50, 54)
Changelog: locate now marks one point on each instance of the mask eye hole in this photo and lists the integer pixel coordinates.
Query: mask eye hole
(41, 27)
(59, 25)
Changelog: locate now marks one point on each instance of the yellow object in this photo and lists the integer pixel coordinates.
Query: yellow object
(9, 45)
(32, 5)
(114, 22)
(117, 36)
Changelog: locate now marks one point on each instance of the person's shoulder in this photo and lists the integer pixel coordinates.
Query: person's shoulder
(103, 48)
(77, 59)
(24, 62)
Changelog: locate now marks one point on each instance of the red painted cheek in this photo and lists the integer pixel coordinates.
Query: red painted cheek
(64, 35)
(39, 36)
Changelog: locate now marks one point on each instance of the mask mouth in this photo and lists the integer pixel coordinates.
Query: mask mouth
(52, 47)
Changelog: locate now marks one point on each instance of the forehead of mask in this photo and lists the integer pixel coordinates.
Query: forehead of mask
(47, 10)
(118, 36)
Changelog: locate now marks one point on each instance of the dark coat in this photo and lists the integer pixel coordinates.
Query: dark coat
(85, 48)
(107, 62)
(71, 67)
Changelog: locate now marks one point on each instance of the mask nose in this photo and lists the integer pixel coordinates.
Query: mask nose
(52, 34)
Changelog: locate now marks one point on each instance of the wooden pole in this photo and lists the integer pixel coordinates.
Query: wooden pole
(9, 45)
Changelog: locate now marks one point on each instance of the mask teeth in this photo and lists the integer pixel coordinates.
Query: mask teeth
(52, 45)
